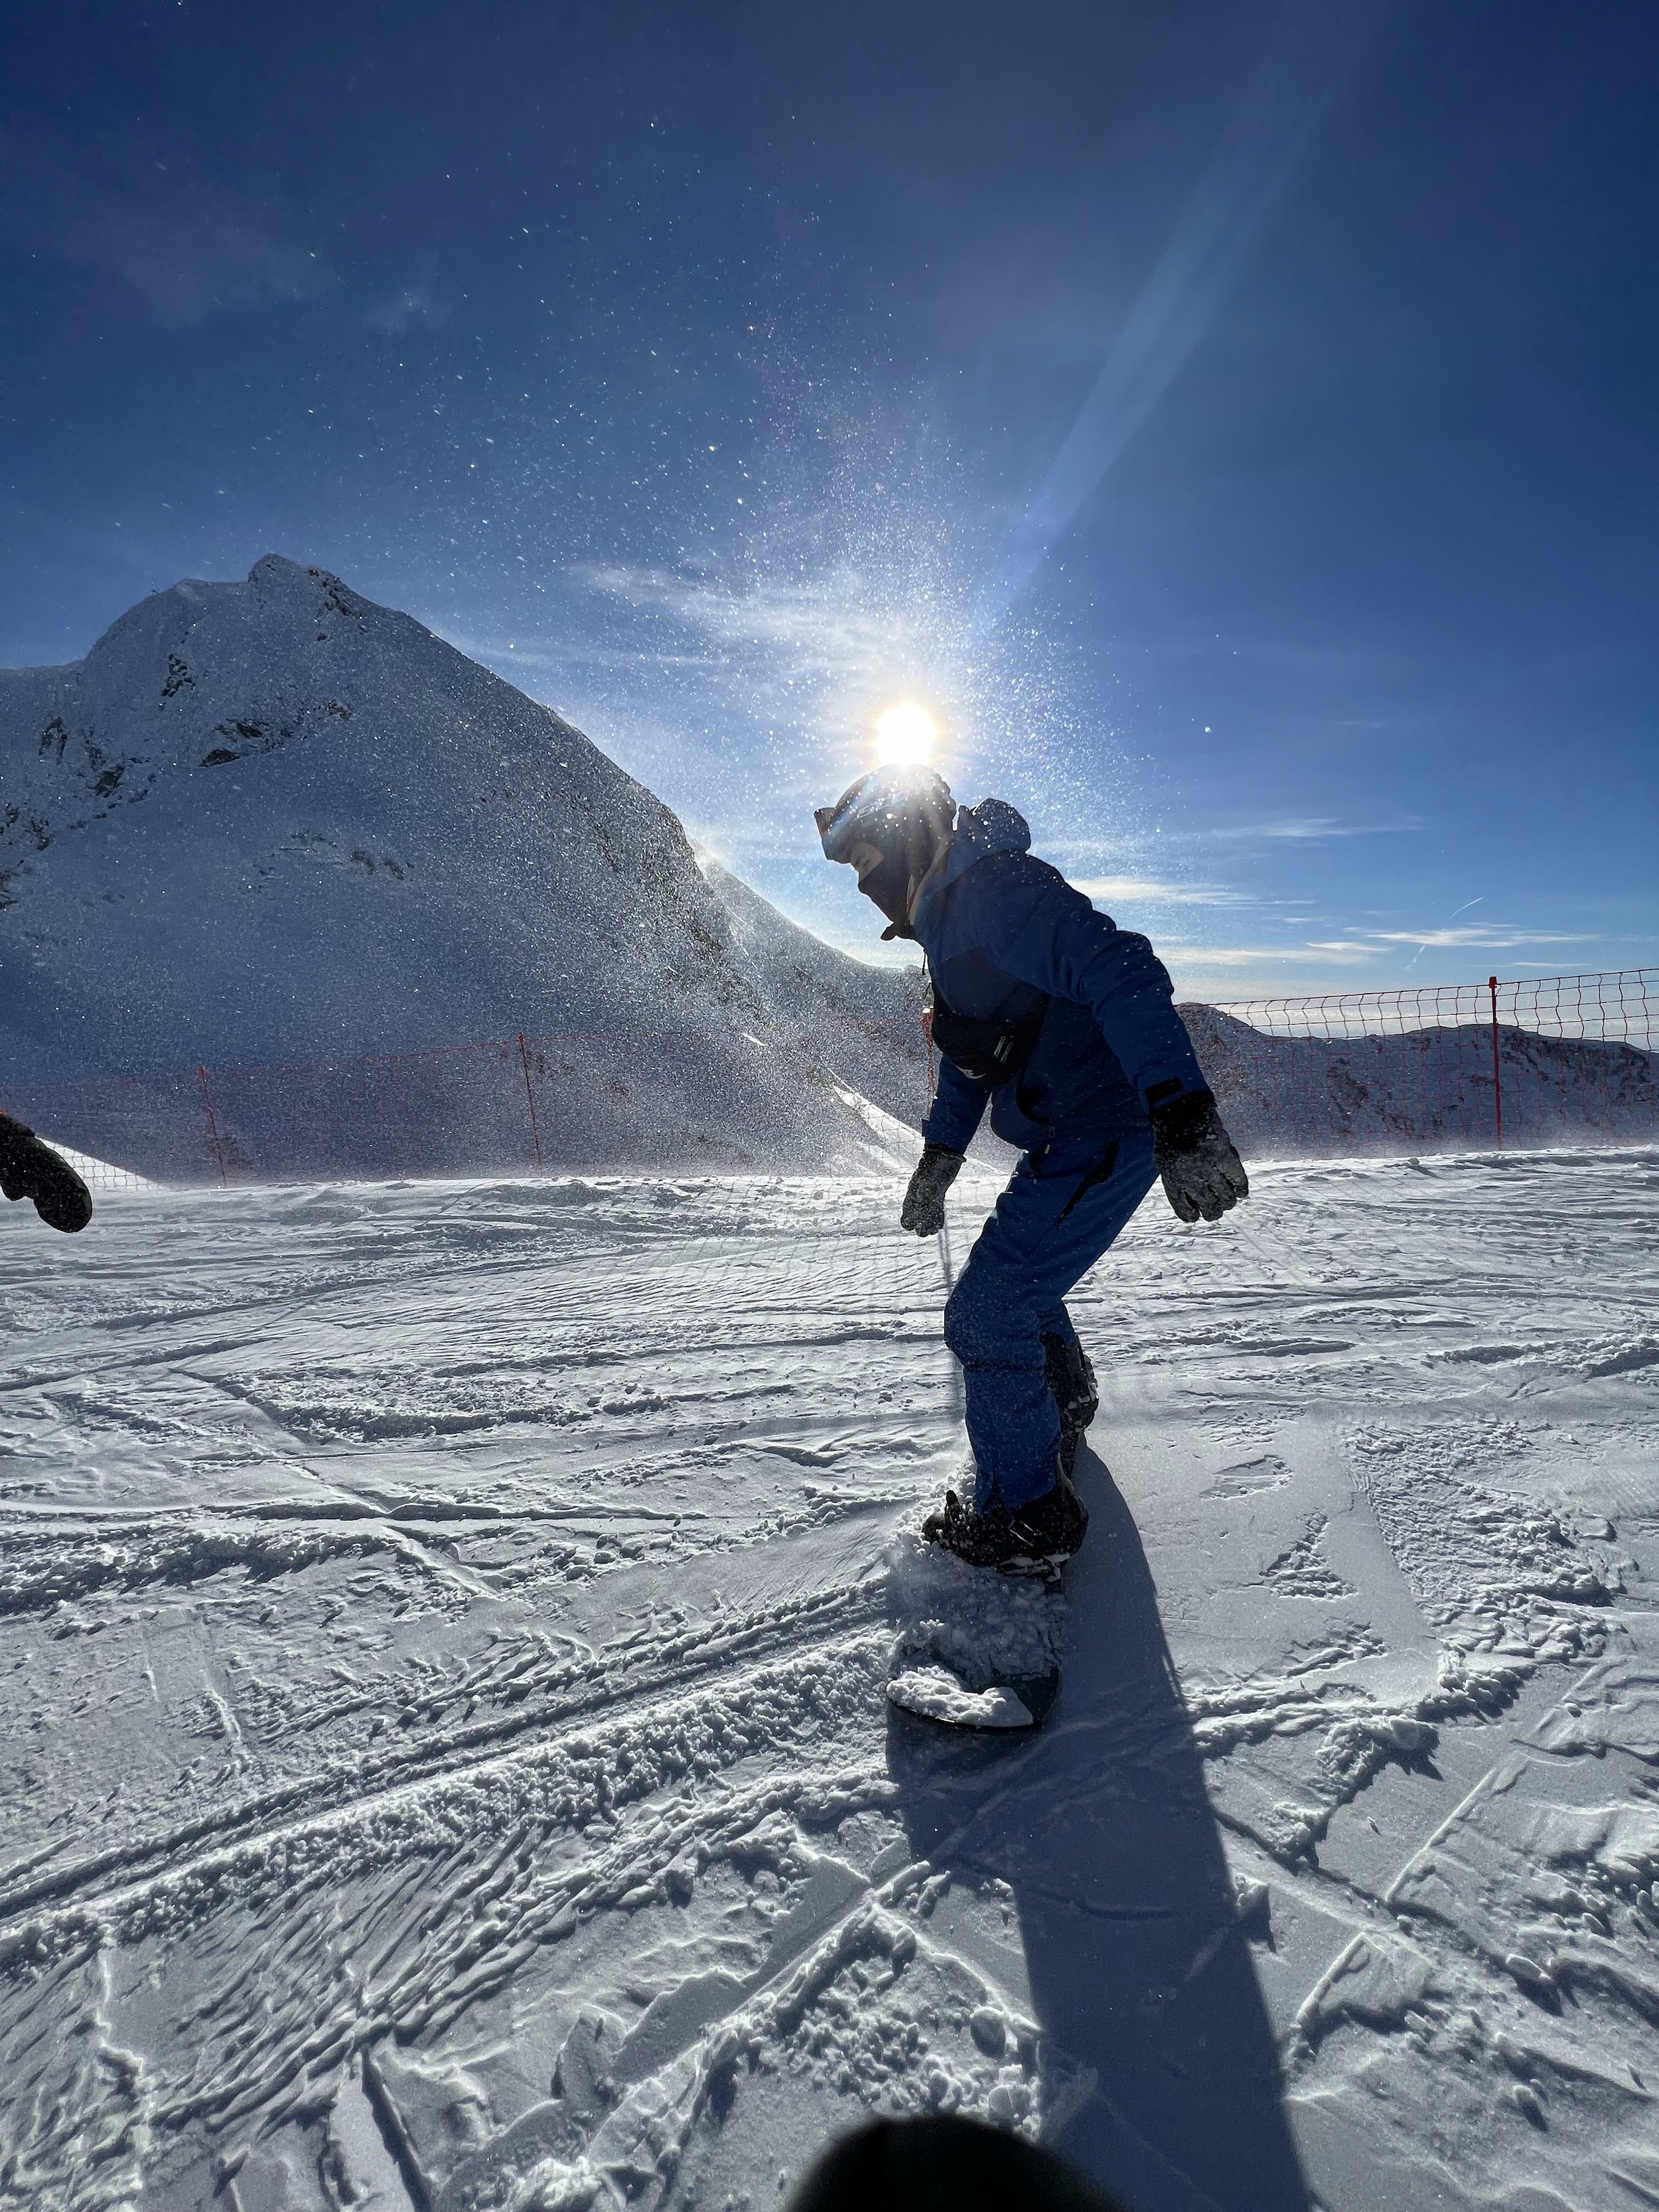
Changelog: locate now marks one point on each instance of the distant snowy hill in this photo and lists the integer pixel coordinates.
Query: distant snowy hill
(274, 821)
(1428, 1089)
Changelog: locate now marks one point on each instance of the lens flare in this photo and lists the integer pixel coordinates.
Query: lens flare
(1306, 65)
(905, 736)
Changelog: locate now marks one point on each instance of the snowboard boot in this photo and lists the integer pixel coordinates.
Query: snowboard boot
(1071, 1384)
(30, 1169)
(1043, 1532)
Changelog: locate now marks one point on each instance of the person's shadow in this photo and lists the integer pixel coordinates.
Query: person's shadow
(1160, 2073)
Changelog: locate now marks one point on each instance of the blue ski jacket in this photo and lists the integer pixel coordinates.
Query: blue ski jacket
(1000, 929)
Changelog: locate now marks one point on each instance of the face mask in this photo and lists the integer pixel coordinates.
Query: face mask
(888, 886)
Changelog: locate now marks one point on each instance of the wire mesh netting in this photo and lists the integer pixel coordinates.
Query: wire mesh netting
(104, 1174)
(1552, 1060)
(1555, 1060)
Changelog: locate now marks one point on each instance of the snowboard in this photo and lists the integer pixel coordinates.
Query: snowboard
(974, 1648)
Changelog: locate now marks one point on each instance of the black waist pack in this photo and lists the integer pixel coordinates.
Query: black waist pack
(991, 1051)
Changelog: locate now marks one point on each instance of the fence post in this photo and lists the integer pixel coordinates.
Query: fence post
(213, 1126)
(1497, 1070)
(535, 1131)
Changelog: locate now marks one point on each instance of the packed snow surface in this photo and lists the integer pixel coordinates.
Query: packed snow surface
(445, 1631)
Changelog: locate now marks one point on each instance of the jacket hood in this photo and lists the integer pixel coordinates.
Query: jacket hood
(993, 826)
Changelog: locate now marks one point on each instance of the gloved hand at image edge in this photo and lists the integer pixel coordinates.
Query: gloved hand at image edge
(1203, 1175)
(30, 1169)
(923, 1212)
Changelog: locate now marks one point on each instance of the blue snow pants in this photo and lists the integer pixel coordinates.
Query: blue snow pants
(1057, 1216)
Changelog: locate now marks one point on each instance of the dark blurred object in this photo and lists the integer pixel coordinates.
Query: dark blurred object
(940, 2164)
(30, 1169)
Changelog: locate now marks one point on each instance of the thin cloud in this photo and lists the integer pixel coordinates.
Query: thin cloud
(1496, 937)
(1306, 828)
(830, 629)
(1198, 957)
(1146, 891)
(188, 261)
(398, 311)
(510, 657)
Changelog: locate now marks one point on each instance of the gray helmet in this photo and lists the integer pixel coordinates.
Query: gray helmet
(901, 814)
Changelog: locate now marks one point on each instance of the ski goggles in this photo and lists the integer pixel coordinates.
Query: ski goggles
(879, 808)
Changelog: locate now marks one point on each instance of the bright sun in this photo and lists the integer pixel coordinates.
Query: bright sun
(904, 736)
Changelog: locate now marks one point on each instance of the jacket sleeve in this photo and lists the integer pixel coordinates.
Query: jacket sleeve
(958, 1111)
(1058, 942)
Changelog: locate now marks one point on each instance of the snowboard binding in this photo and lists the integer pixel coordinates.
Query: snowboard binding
(964, 1672)
(1039, 1536)
(1036, 1539)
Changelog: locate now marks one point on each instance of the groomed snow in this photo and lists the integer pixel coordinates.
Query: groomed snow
(445, 1631)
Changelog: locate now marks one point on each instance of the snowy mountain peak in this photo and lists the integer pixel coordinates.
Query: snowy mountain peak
(274, 821)
(204, 674)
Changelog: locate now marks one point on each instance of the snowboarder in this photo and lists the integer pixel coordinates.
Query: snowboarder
(1066, 1025)
(30, 1169)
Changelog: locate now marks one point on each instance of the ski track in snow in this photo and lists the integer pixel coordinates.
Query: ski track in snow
(444, 1631)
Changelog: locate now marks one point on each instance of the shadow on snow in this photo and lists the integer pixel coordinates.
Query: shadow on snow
(1160, 2070)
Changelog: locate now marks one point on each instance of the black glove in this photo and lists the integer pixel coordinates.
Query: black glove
(924, 1202)
(1201, 1170)
(30, 1169)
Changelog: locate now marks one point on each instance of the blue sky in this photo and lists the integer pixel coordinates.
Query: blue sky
(1239, 424)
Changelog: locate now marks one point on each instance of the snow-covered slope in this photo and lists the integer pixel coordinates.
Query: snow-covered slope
(1429, 1089)
(868, 1018)
(273, 822)
(443, 1629)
